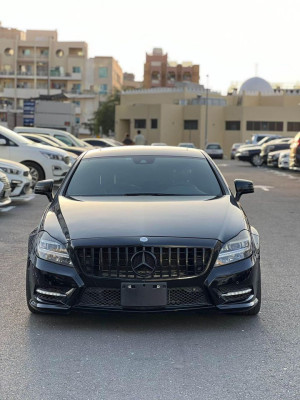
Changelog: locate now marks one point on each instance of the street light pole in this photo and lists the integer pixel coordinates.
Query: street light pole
(206, 113)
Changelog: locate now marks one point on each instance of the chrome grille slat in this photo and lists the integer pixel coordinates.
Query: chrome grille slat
(115, 262)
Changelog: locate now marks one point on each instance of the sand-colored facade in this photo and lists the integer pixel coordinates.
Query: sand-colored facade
(180, 115)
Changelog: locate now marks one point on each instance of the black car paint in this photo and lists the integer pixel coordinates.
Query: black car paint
(64, 220)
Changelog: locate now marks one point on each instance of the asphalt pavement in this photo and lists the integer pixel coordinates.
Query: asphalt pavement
(162, 356)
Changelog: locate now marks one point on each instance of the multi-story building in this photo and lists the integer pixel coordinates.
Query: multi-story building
(34, 63)
(192, 114)
(105, 76)
(160, 72)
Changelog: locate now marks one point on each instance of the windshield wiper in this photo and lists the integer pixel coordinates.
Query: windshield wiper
(153, 194)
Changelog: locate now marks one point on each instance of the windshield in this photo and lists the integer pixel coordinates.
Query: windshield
(81, 143)
(144, 175)
(213, 146)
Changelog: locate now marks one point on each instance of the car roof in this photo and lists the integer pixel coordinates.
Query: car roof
(145, 151)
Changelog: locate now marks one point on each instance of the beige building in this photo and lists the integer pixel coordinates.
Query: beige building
(105, 76)
(174, 115)
(34, 63)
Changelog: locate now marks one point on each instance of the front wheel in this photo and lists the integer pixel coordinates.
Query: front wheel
(256, 160)
(36, 171)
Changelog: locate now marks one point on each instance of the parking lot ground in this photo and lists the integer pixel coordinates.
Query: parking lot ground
(161, 356)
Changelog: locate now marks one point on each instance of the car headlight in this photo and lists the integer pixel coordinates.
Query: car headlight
(52, 250)
(53, 156)
(235, 249)
(12, 171)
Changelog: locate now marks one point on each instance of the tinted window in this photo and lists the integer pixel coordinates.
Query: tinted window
(135, 175)
(213, 146)
(64, 139)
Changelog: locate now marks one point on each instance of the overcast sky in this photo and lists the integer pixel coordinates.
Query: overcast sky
(226, 37)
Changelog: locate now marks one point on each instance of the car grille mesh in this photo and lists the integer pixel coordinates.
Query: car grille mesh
(111, 297)
(115, 262)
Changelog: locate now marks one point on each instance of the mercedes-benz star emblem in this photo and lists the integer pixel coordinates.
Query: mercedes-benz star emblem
(143, 239)
(143, 263)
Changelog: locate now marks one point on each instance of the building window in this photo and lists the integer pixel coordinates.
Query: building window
(26, 52)
(190, 124)
(293, 126)
(76, 88)
(103, 89)
(103, 72)
(155, 77)
(140, 124)
(59, 53)
(153, 123)
(274, 126)
(187, 76)
(171, 76)
(76, 70)
(8, 51)
(77, 120)
(233, 125)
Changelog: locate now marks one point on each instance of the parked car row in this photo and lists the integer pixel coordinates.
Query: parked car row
(31, 154)
(273, 151)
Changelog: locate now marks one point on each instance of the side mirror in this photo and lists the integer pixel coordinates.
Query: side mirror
(2, 142)
(45, 187)
(242, 187)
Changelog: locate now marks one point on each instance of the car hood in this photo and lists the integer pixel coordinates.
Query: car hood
(54, 150)
(249, 148)
(13, 164)
(82, 218)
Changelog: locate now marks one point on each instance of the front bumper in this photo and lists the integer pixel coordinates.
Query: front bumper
(242, 157)
(210, 292)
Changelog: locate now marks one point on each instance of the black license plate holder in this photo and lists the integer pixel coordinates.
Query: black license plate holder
(135, 295)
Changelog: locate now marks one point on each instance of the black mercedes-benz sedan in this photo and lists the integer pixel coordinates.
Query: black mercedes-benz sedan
(144, 228)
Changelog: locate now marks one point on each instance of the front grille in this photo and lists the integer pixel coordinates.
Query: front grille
(187, 296)
(100, 297)
(26, 173)
(171, 262)
(108, 297)
(67, 160)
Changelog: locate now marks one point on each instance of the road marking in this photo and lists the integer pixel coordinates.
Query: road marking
(222, 165)
(264, 188)
(7, 208)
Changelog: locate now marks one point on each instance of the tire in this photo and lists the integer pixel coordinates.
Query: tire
(255, 310)
(256, 160)
(36, 171)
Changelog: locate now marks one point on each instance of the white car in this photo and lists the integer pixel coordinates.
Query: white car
(188, 145)
(44, 162)
(4, 190)
(159, 144)
(19, 178)
(284, 159)
(214, 150)
(65, 137)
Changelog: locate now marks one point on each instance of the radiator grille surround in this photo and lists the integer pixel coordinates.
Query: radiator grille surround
(116, 262)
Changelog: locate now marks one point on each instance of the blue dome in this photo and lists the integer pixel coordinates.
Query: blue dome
(256, 85)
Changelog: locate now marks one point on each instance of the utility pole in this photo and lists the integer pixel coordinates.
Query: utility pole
(206, 112)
